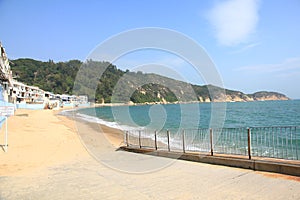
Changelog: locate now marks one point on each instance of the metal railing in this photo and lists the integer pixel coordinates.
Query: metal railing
(272, 142)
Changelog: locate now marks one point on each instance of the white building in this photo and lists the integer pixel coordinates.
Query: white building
(5, 74)
(23, 93)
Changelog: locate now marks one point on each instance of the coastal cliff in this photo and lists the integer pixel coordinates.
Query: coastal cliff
(268, 96)
(223, 95)
(237, 96)
(240, 97)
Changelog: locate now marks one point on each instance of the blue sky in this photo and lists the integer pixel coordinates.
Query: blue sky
(254, 44)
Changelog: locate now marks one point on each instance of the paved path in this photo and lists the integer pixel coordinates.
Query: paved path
(149, 178)
(87, 179)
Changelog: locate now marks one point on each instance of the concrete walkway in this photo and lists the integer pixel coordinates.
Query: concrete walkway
(87, 179)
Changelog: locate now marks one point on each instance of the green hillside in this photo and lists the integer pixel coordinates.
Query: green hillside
(104, 82)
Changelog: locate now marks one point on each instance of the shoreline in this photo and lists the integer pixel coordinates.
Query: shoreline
(177, 102)
(114, 135)
(40, 139)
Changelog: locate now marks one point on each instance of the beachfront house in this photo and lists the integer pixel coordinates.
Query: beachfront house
(26, 94)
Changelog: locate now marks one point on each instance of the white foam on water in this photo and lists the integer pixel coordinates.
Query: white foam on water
(97, 120)
(67, 112)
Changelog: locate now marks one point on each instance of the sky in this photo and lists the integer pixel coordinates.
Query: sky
(254, 44)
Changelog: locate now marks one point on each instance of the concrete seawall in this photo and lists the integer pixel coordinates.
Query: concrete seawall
(269, 165)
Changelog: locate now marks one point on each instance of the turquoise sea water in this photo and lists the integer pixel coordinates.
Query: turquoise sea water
(202, 115)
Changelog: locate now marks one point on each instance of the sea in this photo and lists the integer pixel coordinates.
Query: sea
(275, 125)
(196, 115)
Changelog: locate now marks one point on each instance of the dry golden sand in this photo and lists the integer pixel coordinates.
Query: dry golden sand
(39, 139)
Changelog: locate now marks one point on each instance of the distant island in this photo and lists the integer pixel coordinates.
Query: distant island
(59, 78)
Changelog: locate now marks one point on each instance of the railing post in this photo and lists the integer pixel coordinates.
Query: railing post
(155, 140)
(183, 141)
(297, 158)
(249, 143)
(126, 136)
(140, 143)
(168, 136)
(211, 141)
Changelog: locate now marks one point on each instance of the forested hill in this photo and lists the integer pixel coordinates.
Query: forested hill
(116, 85)
(54, 77)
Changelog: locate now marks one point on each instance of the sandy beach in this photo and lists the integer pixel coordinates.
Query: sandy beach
(42, 138)
(54, 157)
(37, 139)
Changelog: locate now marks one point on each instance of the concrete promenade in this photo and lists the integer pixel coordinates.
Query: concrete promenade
(87, 179)
(125, 175)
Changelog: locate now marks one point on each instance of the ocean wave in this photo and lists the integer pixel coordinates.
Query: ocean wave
(97, 120)
(69, 112)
